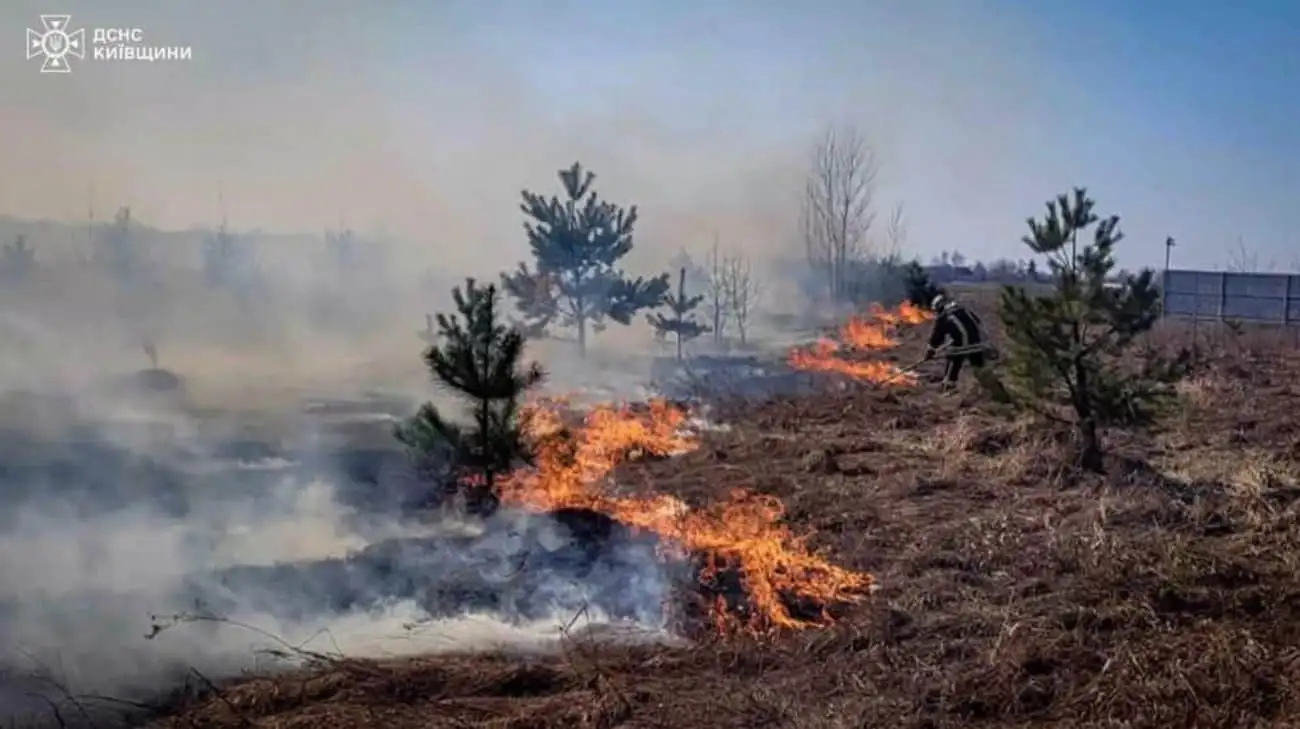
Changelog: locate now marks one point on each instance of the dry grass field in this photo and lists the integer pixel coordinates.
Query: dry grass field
(1007, 593)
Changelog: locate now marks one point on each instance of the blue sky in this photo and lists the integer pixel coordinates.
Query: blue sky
(1181, 117)
(1200, 98)
(1223, 81)
(1214, 90)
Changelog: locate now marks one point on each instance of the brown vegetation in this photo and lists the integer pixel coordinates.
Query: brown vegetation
(1165, 593)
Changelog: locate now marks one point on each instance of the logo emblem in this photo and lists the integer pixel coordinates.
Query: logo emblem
(56, 43)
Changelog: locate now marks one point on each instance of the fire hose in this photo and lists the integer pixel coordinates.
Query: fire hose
(955, 352)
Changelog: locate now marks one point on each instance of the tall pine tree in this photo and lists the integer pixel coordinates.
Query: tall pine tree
(577, 243)
(1065, 358)
(681, 324)
(477, 357)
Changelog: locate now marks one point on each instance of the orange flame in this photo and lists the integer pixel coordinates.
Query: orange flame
(872, 332)
(906, 313)
(858, 333)
(743, 532)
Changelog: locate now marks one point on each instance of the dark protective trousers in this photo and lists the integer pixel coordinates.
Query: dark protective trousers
(956, 362)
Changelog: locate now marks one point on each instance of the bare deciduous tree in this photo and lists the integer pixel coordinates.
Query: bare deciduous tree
(838, 205)
(741, 292)
(715, 292)
(896, 232)
(1243, 260)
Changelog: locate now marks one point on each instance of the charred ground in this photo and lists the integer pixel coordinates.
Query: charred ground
(1162, 594)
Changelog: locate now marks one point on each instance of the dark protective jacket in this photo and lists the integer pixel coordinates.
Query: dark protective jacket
(959, 325)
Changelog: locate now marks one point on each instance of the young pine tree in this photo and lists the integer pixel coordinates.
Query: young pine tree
(536, 299)
(576, 244)
(1065, 356)
(478, 358)
(920, 289)
(681, 323)
(120, 251)
(228, 259)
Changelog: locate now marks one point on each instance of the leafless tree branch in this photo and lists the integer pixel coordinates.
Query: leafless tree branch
(838, 208)
(1243, 260)
(742, 292)
(715, 294)
(896, 232)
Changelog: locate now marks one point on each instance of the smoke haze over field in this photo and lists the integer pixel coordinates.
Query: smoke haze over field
(79, 592)
(418, 123)
(428, 118)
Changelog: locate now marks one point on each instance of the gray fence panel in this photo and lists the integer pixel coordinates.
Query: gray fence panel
(1253, 308)
(1269, 287)
(1180, 282)
(1252, 297)
(1189, 305)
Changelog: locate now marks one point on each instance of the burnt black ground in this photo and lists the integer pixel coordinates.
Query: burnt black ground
(521, 567)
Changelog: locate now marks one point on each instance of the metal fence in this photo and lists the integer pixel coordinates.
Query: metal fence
(1266, 298)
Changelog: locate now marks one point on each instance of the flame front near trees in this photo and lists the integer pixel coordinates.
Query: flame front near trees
(866, 333)
(744, 532)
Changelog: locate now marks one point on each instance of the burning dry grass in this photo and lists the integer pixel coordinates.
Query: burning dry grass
(743, 539)
(1166, 593)
(742, 536)
(862, 335)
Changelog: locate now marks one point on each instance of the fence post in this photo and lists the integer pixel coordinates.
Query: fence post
(1287, 296)
(1196, 315)
(1286, 309)
(1223, 304)
(1164, 294)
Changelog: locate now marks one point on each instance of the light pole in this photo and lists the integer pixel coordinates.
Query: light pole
(1164, 280)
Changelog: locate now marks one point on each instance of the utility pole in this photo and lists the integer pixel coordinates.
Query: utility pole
(1169, 249)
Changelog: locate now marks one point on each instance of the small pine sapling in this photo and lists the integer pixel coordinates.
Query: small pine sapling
(479, 359)
(681, 321)
(920, 289)
(536, 299)
(17, 260)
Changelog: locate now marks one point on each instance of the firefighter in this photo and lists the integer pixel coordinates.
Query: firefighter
(960, 328)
